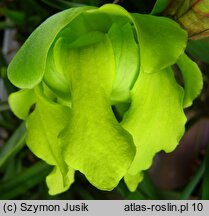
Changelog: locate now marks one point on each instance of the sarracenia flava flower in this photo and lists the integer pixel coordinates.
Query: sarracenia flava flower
(79, 66)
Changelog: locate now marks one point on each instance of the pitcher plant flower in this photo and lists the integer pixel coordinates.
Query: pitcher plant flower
(83, 63)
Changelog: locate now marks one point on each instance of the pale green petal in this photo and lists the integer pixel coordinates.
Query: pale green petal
(161, 41)
(75, 35)
(20, 102)
(27, 67)
(126, 53)
(53, 78)
(117, 13)
(95, 20)
(43, 128)
(94, 142)
(192, 79)
(55, 181)
(156, 118)
(132, 181)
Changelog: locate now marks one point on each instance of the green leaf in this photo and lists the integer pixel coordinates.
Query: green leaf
(199, 49)
(156, 118)
(161, 42)
(62, 5)
(192, 79)
(23, 181)
(6, 25)
(4, 106)
(13, 145)
(126, 194)
(147, 187)
(14, 15)
(94, 142)
(205, 185)
(190, 187)
(160, 6)
(20, 102)
(136, 195)
(44, 126)
(126, 53)
(27, 68)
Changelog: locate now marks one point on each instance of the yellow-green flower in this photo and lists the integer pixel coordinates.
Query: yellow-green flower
(81, 63)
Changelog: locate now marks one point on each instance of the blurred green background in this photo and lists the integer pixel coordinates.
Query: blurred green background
(183, 174)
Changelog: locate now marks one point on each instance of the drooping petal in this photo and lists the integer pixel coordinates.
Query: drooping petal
(21, 102)
(126, 53)
(156, 118)
(43, 128)
(192, 79)
(132, 181)
(94, 142)
(161, 42)
(55, 181)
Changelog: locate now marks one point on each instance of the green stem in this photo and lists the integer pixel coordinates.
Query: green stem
(193, 183)
(13, 145)
(126, 194)
(205, 187)
(23, 181)
(147, 187)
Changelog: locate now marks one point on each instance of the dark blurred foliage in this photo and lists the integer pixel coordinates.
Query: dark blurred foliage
(182, 174)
